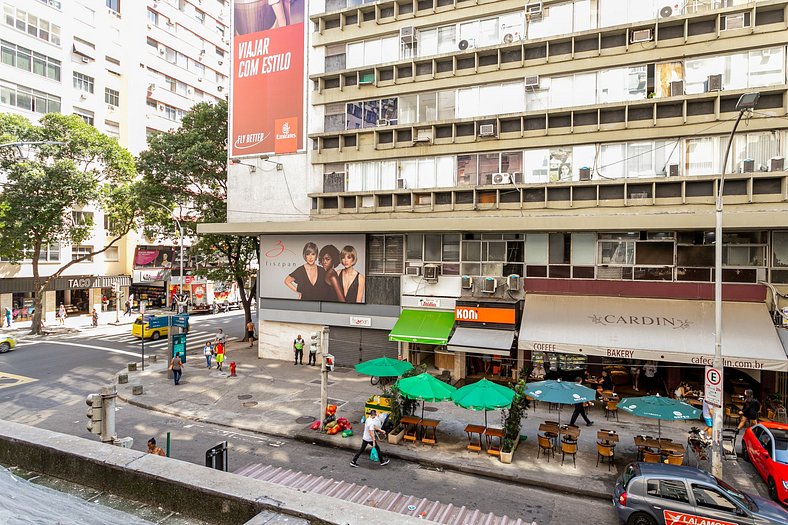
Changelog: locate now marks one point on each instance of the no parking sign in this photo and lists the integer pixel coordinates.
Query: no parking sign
(713, 390)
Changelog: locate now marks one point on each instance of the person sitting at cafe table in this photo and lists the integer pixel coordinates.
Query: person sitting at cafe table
(606, 384)
(681, 391)
(538, 371)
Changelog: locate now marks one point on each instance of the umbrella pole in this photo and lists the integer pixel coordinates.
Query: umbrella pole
(485, 419)
(659, 429)
(422, 409)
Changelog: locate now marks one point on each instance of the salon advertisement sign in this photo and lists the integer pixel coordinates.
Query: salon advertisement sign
(267, 101)
(313, 268)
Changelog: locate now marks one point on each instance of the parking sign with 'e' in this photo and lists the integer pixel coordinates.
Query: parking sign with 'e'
(713, 390)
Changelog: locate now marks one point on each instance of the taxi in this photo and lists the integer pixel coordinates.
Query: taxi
(7, 342)
(138, 329)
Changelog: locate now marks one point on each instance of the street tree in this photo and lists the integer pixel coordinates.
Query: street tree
(186, 170)
(53, 170)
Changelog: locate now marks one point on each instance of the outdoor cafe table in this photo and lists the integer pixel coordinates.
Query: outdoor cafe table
(472, 431)
(608, 438)
(427, 425)
(551, 431)
(571, 432)
(674, 448)
(411, 425)
(491, 434)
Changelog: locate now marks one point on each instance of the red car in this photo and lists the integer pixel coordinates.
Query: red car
(766, 446)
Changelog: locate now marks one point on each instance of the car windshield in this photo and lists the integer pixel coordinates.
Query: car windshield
(739, 496)
(780, 445)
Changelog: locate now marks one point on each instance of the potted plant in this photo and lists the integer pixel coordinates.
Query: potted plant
(511, 420)
(400, 406)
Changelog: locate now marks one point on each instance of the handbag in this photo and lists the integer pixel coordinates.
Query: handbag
(373, 454)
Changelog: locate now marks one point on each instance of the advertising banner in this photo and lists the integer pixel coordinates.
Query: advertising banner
(326, 268)
(267, 103)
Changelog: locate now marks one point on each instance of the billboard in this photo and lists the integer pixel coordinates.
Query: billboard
(326, 268)
(267, 103)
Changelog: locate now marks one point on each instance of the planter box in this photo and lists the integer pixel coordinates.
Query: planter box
(394, 439)
(506, 457)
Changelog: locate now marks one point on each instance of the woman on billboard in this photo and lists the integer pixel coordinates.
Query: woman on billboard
(308, 280)
(329, 259)
(352, 280)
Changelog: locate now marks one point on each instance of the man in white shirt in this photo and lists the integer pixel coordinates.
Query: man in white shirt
(370, 437)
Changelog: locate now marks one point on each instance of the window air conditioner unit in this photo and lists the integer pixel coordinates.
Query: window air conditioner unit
(638, 195)
(431, 273)
(422, 140)
(85, 60)
(747, 166)
(467, 282)
(487, 130)
(777, 164)
(402, 184)
(534, 11)
(413, 270)
(513, 282)
(532, 82)
(714, 83)
(110, 107)
(489, 285)
(673, 170)
(641, 35)
(382, 122)
(585, 173)
(737, 21)
(407, 35)
(676, 88)
(501, 178)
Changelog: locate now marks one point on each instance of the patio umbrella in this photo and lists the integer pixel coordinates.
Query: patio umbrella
(383, 367)
(425, 388)
(483, 395)
(561, 392)
(659, 408)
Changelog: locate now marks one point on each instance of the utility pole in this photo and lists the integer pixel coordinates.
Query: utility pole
(323, 347)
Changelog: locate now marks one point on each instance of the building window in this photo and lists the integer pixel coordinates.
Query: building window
(85, 115)
(31, 24)
(199, 16)
(111, 254)
(112, 97)
(113, 5)
(83, 82)
(81, 251)
(82, 218)
(29, 99)
(170, 113)
(112, 129)
(386, 254)
(492, 254)
(28, 60)
(153, 17)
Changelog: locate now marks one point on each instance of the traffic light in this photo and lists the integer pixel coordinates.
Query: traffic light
(329, 362)
(315, 344)
(115, 288)
(95, 412)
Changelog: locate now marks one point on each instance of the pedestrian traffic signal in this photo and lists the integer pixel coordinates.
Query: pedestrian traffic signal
(315, 344)
(95, 413)
(115, 287)
(329, 362)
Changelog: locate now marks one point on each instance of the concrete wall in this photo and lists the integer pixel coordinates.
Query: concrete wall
(194, 491)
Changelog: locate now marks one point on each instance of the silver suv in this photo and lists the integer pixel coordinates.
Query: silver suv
(659, 494)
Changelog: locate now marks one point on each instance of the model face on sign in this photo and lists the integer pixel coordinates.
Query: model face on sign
(348, 259)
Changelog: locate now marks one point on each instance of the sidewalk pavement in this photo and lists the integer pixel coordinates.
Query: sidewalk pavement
(77, 323)
(279, 399)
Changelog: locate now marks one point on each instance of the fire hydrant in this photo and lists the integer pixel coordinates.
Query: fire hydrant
(232, 368)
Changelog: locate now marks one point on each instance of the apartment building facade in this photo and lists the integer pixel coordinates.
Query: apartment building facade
(127, 68)
(532, 181)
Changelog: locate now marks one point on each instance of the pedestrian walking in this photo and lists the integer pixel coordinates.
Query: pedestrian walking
(128, 308)
(153, 449)
(298, 350)
(8, 316)
(580, 409)
(219, 350)
(751, 410)
(94, 318)
(61, 315)
(207, 351)
(176, 365)
(220, 337)
(370, 437)
(650, 376)
(250, 332)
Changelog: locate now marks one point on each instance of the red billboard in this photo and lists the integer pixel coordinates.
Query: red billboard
(267, 102)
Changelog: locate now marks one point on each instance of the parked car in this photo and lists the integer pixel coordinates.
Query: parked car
(661, 494)
(7, 342)
(766, 446)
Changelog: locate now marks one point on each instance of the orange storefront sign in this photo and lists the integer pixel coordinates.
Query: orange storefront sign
(477, 314)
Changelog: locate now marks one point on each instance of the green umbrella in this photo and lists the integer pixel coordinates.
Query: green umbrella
(383, 367)
(483, 395)
(561, 392)
(659, 408)
(425, 388)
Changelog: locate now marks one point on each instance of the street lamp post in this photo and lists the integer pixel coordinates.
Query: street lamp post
(745, 104)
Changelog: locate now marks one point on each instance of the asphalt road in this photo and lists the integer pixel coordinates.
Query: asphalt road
(66, 370)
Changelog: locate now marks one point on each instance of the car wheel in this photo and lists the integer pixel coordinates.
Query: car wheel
(155, 336)
(772, 489)
(641, 518)
(4, 347)
(744, 452)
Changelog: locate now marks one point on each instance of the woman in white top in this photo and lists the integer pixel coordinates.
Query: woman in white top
(207, 351)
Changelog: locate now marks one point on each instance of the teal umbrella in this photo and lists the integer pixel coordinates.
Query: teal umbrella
(483, 395)
(425, 388)
(659, 408)
(561, 392)
(383, 367)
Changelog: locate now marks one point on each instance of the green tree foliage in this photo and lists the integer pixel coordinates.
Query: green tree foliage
(54, 168)
(186, 170)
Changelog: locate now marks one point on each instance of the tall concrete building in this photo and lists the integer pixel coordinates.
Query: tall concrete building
(521, 181)
(127, 68)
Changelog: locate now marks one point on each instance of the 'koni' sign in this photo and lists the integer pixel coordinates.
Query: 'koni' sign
(478, 314)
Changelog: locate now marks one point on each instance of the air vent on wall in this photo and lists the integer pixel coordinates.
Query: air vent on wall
(777, 164)
(532, 82)
(673, 170)
(467, 282)
(714, 83)
(585, 173)
(488, 285)
(676, 88)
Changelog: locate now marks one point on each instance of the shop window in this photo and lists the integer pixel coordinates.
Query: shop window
(386, 254)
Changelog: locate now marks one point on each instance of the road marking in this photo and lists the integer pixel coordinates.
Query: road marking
(113, 350)
(8, 380)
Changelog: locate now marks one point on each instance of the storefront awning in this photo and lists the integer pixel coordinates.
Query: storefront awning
(481, 341)
(679, 331)
(783, 335)
(423, 326)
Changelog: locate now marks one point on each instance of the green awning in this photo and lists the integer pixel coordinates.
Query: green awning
(423, 326)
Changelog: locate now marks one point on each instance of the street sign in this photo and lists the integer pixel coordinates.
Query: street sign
(713, 390)
(158, 322)
(179, 346)
(143, 304)
(181, 320)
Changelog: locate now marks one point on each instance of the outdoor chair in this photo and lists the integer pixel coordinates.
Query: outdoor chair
(675, 459)
(651, 457)
(569, 447)
(611, 409)
(545, 447)
(605, 451)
